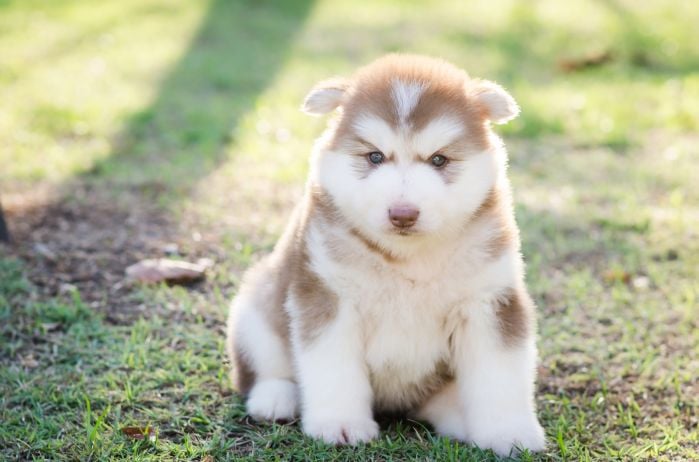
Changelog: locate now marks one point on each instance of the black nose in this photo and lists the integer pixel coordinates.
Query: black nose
(403, 216)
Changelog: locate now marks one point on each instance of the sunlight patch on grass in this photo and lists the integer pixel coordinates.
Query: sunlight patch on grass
(73, 73)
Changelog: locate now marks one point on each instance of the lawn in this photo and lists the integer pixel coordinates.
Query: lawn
(139, 129)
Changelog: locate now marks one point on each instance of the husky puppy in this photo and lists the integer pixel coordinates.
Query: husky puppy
(398, 282)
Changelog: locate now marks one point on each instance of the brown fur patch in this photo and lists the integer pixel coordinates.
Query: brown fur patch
(243, 374)
(269, 283)
(276, 315)
(279, 272)
(495, 207)
(515, 313)
(316, 303)
(322, 202)
(373, 247)
(504, 238)
(491, 202)
(441, 98)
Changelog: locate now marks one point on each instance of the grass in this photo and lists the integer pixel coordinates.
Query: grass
(191, 108)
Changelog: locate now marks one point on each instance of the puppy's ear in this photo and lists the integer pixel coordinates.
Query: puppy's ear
(499, 106)
(326, 96)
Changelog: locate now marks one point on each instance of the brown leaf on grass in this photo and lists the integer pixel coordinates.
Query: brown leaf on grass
(165, 270)
(139, 433)
(588, 61)
(29, 361)
(616, 275)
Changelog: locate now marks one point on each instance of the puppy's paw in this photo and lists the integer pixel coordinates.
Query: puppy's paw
(507, 438)
(273, 400)
(342, 431)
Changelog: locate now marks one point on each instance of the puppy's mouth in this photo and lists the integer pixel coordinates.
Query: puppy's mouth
(403, 231)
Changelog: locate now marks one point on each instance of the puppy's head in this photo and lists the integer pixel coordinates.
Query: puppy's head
(411, 154)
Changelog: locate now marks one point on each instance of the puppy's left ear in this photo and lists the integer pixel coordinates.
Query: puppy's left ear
(499, 106)
(325, 97)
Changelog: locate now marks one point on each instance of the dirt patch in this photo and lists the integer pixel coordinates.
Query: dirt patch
(84, 239)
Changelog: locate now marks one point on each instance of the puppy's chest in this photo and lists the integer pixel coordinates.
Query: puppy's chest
(407, 316)
(406, 328)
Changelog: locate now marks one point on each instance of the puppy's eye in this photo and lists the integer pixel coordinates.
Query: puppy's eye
(376, 157)
(438, 160)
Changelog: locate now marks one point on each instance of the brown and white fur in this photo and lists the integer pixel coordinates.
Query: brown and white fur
(396, 286)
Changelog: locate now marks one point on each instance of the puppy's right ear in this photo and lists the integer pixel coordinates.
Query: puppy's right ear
(326, 96)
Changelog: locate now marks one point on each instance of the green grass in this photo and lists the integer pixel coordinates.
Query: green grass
(192, 107)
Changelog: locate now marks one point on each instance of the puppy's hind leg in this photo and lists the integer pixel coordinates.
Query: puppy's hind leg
(259, 349)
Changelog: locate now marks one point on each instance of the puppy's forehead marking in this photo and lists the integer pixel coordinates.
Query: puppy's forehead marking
(406, 95)
(438, 133)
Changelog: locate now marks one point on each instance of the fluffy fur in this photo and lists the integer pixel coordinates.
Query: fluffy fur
(352, 314)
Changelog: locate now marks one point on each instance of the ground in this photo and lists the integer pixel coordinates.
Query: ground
(141, 129)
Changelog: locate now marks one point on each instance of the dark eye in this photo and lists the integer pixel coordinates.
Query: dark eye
(375, 157)
(438, 160)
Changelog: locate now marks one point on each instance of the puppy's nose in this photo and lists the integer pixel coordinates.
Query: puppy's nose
(403, 216)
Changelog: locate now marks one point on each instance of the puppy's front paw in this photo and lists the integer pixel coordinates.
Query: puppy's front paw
(342, 431)
(508, 438)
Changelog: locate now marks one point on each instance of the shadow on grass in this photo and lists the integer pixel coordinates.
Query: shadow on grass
(94, 225)
(235, 55)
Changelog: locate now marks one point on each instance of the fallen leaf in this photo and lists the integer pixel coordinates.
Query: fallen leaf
(591, 60)
(139, 433)
(164, 270)
(28, 361)
(616, 275)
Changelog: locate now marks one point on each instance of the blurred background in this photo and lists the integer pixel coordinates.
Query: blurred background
(139, 129)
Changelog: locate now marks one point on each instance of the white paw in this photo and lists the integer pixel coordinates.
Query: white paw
(512, 437)
(273, 400)
(341, 431)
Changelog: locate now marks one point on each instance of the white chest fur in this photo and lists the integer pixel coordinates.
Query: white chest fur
(406, 318)
(407, 310)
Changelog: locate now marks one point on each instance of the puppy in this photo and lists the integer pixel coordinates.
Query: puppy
(398, 282)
